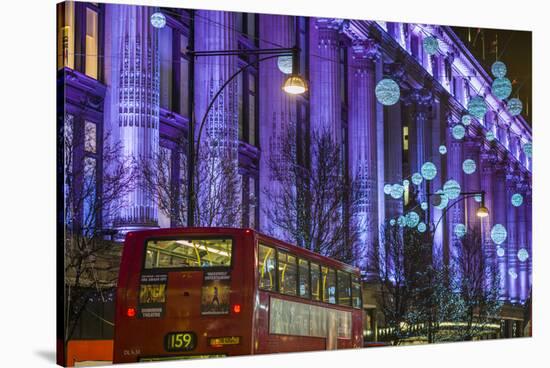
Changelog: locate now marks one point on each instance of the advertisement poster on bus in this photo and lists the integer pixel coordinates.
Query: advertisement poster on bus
(215, 293)
(152, 295)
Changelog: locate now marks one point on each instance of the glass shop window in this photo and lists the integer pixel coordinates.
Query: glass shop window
(92, 38)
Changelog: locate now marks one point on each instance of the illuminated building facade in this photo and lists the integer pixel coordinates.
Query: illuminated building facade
(123, 76)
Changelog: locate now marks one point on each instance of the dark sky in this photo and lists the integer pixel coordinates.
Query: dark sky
(514, 50)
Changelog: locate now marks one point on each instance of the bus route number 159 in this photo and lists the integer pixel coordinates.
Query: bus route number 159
(180, 341)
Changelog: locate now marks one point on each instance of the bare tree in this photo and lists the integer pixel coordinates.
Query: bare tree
(93, 195)
(217, 184)
(314, 204)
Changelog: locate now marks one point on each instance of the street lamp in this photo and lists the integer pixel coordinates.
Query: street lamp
(293, 85)
(481, 212)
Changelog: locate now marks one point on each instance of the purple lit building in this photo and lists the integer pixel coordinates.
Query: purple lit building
(137, 82)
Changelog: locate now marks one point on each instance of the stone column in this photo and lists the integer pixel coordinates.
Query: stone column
(512, 229)
(500, 217)
(472, 182)
(363, 143)
(132, 73)
(529, 228)
(487, 172)
(277, 113)
(219, 140)
(325, 102)
(455, 215)
(523, 246)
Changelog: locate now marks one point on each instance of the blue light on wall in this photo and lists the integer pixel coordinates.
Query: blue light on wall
(401, 221)
(451, 189)
(458, 131)
(442, 149)
(523, 255)
(466, 120)
(514, 106)
(387, 189)
(284, 63)
(517, 199)
(428, 170)
(498, 69)
(469, 166)
(397, 191)
(387, 92)
(392, 222)
(442, 200)
(512, 274)
(460, 230)
(477, 107)
(430, 45)
(417, 179)
(424, 205)
(490, 136)
(421, 227)
(498, 234)
(412, 219)
(502, 88)
(500, 252)
(528, 149)
(158, 20)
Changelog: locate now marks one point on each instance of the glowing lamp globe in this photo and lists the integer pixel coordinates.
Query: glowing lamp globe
(528, 149)
(512, 274)
(469, 166)
(460, 230)
(401, 221)
(397, 191)
(523, 255)
(477, 107)
(441, 200)
(498, 234)
(158, 20)
(477, 198)
(412, 219)
(452, 189)
(498, 69)
(459, 131)
(392, 222)
(387, 92)
(500, 252)
(421, 227)
(406, 183)
(430, 44)
(387, 189)
(295, 85)
(517, 199)
(417, 179)
(490, 136)
(442, 149)
(284, 63)
(514, 106)
(502, 88)
(466, 120)
(424, 205)
(428, 170)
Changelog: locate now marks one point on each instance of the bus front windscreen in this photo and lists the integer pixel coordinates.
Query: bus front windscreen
(188, 253)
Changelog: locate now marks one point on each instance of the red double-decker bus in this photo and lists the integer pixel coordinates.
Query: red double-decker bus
(210, 292)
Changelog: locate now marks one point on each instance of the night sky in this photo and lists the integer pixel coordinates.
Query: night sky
(514, 50)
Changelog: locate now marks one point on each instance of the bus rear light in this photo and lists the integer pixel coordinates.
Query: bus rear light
(236, 308)
(131, 312)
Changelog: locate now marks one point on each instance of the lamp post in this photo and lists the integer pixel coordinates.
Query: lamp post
(293, 85)
(481, 212)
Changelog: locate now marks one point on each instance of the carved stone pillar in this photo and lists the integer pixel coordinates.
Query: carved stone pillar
(325, 101)
(522, 241)
(500, 217)
(134, 96)
(363, 143)
(277, 113)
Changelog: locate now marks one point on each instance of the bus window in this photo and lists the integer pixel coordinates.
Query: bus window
(303, 273)
(344, 288)
(266, 267)
(356, 292)
(329, 285)
(288, 273)
(315, 281)
(188, 253)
